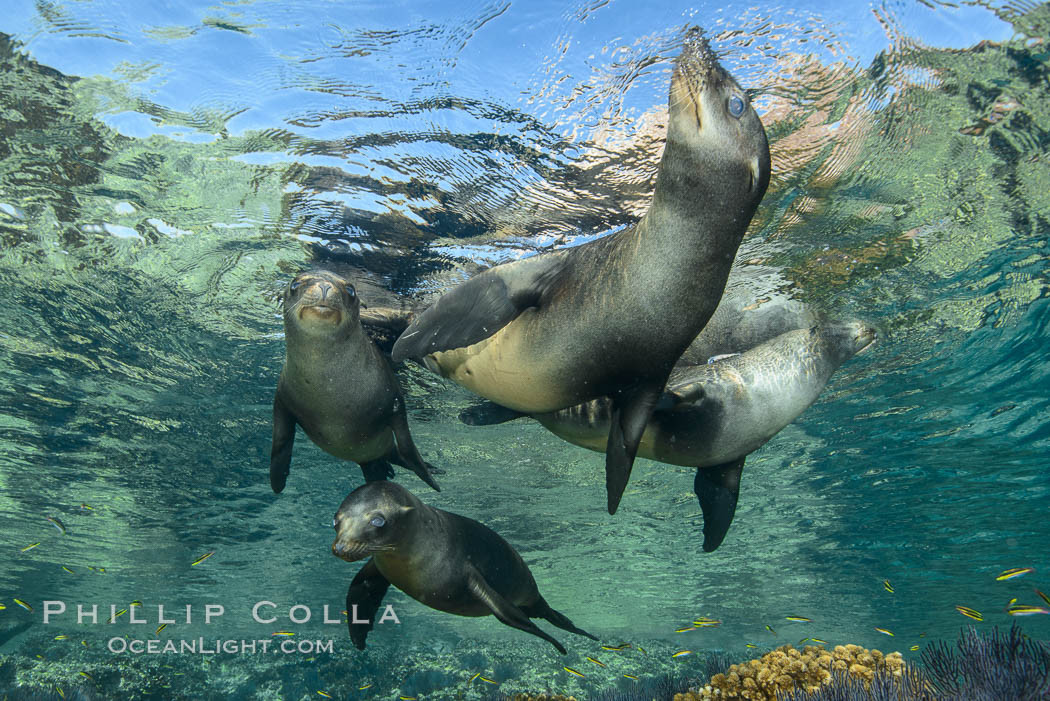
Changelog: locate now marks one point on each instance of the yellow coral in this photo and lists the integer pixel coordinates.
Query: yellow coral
(786, 667)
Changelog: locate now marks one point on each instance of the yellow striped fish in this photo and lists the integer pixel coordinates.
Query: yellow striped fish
(798, 619)
(325, 694)
(30, 547)
(885, 632)
(23, 604)
(682, 653)
(570, 670)
(1027, 610)
(1042, 596)
(600, 664)
(887, 586)
(201, 559)
(1014, 573)
(161, 627)
(970, 613)
(631, 677)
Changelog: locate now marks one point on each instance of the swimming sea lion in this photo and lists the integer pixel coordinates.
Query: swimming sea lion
(722, 411)
(337, 385)
(446, 561)
(611, 317)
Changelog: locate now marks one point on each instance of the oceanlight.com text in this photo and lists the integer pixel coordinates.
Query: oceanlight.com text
(202, 646)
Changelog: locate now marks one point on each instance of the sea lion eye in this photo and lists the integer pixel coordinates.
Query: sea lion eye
(736, 105)
(351, 292)
(295, 285)
(377, 522)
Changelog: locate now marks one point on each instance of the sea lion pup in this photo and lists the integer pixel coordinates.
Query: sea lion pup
(337, 385)
(721, 412)
(611, 317)
(446, 561)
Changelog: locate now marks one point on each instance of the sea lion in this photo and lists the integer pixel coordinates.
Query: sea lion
(337, 385)
(611, 317)
(446, 561)
(721, 411)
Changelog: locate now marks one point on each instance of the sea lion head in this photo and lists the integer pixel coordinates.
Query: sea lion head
(715, 140)
(844, 339)
(373, 518)
(320, 302)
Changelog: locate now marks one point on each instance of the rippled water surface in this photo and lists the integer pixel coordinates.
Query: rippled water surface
(165, 169)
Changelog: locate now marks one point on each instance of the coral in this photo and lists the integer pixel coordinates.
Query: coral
(989, 667)
(663, 688)
(787, 668)
(541, 697)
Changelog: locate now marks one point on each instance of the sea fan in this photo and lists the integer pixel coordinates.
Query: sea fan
(842, 686)
(989, 667)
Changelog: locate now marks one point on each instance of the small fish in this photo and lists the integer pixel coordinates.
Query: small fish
(476, 675)
(641, 650)
(770, 629)
(23, 604)
(685, 630)
(1013, 573)
(85, 674)
(616, 647)
(325, 694)
(1042, 596)
(61, 637)
(1021, 610)
(818, 641)
(682, 653)
(2, 607)
(135, 603)
(1014, 601)
(84, 643)
(913, 648)
(706, 623)
(799, 619)
(750, 645)
(887, 586)
(61, 693)
(117, 615)
(67, 569)
(161, 627)
(30, 547)
(570, 670)
(85, 507)
(885, 632)
(600, 664)
(201, 559)
(57, 523)
(631, 677)
(408, 698)
(366, 686)
(970, 613)
(284, 632)
(487, 680)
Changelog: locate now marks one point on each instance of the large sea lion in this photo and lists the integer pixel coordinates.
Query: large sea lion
(446, 561)
(611, 317)
(721, 412)
(337, 385)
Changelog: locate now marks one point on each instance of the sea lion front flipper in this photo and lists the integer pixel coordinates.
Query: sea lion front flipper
(363, 597)
(489, 414)
(405, 452)
(281, 449)
(541, 609)
(479, 307)
(718, 488)
(504, 611)
(631, 410)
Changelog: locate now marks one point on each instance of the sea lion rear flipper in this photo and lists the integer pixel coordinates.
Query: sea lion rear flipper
(541, 609)
(718, 488)
(631, 410)
(281, 449)
(405, 452)
(504, 611)
(479, 307)
(366, 593)
(488, 414)
(376, 470)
